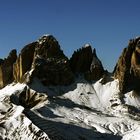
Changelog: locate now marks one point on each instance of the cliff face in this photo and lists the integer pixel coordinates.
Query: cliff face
(24, 62)
(127, 70)
(86, 61)
(45, 60)
(81, 59)
(33, 111)
(50, 64)
(6, 69)
(96, 70)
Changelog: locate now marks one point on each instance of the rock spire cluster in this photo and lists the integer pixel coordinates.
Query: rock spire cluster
(45, 60)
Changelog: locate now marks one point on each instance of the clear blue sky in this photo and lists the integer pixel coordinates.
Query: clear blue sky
(106, 24)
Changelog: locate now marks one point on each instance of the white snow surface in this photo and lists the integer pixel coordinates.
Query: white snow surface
(14, 125)
(89, 111)
(87, 45)
(132, 98)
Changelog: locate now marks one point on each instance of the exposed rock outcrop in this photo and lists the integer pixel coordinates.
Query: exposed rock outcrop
(81, 59)
(96, 69)
(47, 62)
(127, 70)
(28, 98)
(86, 61)
(50, 64)
(6, 69)
(24, 62)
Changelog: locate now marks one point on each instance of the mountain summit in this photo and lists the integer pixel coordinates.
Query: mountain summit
(45, 60)
(46, 95)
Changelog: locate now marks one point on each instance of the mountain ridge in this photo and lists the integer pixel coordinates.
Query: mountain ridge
(46, 50)
(45, 95)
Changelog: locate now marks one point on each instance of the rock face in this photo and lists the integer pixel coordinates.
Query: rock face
(50, 64)
(24, 62)
(6, 69)
(47, 61)
(127, 70)
(81, 59)
(96, 69)
(86, 61)
(28, 98)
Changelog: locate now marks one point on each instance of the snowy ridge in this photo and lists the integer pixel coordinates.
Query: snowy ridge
(80, 111)
(13, 123)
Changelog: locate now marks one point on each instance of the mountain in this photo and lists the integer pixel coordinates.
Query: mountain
(127, 69)
(6, 69)
(46, 95)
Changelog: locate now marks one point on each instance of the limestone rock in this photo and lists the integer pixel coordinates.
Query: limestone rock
(86, 61)
(81, 59)
(6, 69)
(46, 61)
(96, 68)
(48, 47)
(24, 62)
(28, 98)
(127, 70)
(50, 65)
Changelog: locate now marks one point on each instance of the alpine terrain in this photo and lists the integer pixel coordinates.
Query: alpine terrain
(44, 95)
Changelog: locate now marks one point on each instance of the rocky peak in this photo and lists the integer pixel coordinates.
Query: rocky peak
(95, 60)
(48, 47)
(44, 59)
(12, 56)
(6, 69)
(46, 38)
(127, 70)
(81, 59)
(47, 62)
(85, 61)
(24, 62)
(87, 45)
(96, 68)
(1, 61)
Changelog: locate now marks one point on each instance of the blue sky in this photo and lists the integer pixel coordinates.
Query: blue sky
(106, 24)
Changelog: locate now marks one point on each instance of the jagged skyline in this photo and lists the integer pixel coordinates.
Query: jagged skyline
(107, 26)
(43, 95)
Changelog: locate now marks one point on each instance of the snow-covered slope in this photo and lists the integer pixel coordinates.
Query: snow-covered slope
(14, 125)
(81, 111)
